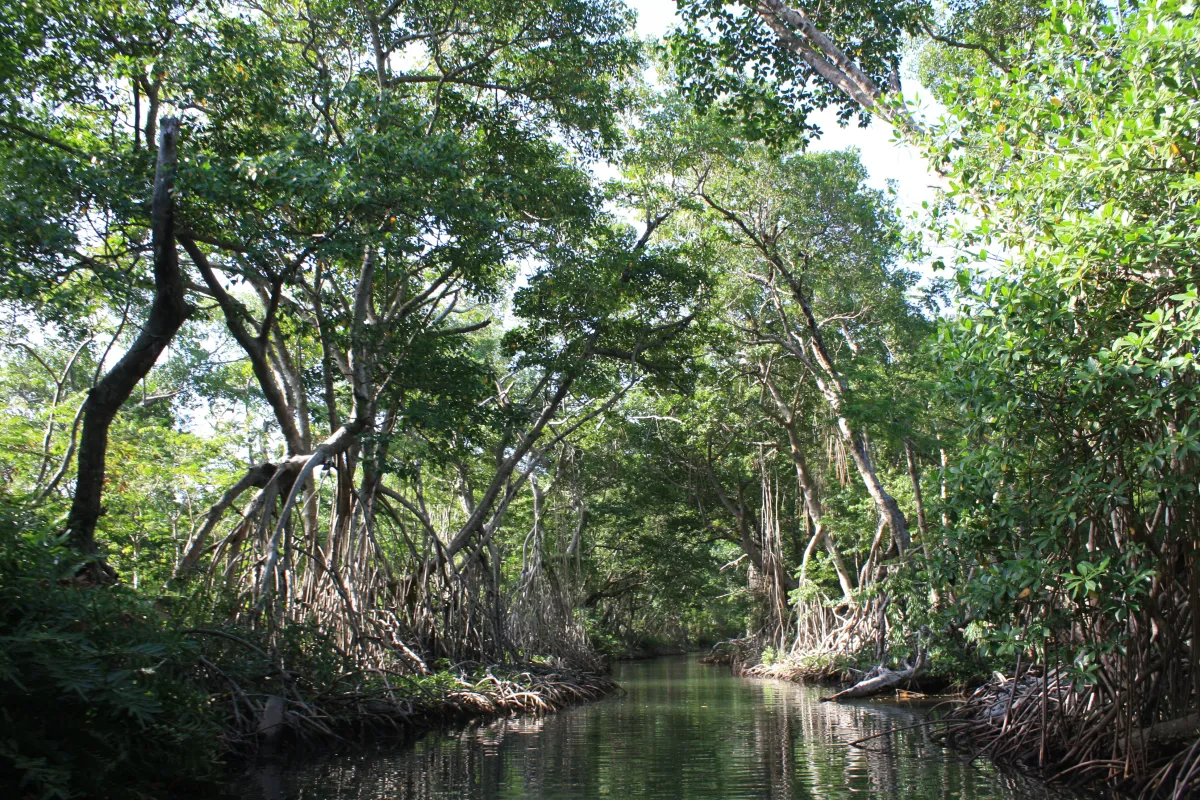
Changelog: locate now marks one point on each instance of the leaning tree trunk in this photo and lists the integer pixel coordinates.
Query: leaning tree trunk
(833, 386)
(808, 486)
(167, 313)
(889, 509)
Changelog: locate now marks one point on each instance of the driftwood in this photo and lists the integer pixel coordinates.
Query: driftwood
(1182, 728)
(881, 679)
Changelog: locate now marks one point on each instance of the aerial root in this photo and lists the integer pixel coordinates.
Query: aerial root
(1070, 732)
(402, 705)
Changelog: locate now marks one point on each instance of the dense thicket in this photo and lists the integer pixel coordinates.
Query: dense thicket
(1064, 379)
(324, 341)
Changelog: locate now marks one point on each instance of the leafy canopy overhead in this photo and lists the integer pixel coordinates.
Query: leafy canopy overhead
(727, 56)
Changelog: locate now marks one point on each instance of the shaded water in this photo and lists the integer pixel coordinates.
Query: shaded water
(678, 730)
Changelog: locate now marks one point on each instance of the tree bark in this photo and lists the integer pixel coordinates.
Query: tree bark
(168, 312)
(813, 507)
(798, 33)
(889, 509)
(258, 476)
(914, 475)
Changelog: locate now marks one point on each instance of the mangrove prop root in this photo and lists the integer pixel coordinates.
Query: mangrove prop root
(411, 705)
(1072, 732)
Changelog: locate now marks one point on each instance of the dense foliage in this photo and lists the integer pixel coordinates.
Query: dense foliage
(1073, 363)
(94, 689)
(330, 360)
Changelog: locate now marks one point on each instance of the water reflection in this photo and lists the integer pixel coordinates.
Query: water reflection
(680, 730)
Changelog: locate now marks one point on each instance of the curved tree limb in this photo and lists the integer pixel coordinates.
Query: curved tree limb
(168, 312)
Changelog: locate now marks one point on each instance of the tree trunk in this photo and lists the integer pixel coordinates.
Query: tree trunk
(167, 313)
(833, 387)
(808, 486)
(914, 475)
(889, 509)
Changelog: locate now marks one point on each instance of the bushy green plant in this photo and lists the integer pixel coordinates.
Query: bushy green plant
(770, 656)
(96, 695)
(1073, 364)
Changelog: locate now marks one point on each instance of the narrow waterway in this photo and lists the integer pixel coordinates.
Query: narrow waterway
(678, 731)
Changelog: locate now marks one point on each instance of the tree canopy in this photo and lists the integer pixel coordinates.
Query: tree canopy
(411, 334)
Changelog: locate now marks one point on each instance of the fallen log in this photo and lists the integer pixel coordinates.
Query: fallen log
(1166, 732)
(880, 679)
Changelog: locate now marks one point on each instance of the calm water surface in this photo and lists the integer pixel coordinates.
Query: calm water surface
(678, 730)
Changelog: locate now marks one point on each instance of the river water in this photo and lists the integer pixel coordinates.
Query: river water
(678, 730)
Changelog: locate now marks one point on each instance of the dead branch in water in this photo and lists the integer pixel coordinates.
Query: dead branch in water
(880, 679)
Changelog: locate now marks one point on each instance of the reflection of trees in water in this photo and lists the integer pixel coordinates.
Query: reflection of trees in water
(504, 757)
(697, 737)
(803, 746)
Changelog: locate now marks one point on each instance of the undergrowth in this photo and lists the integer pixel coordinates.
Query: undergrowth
(107, 692)
(96, 690)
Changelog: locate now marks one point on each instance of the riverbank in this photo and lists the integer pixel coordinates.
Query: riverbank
(392, 721)
(108, 693)
(747, 659)
(1042, 722)
(408, 704)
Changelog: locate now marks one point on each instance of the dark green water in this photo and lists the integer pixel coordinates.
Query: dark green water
(679, 730)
